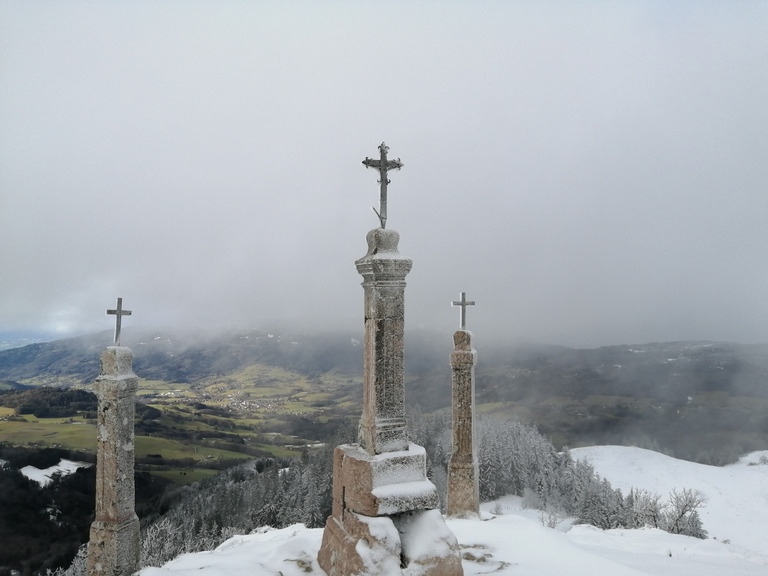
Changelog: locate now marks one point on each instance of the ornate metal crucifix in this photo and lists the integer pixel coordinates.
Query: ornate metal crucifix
(119, 312)
(383, 166)
(463, 303)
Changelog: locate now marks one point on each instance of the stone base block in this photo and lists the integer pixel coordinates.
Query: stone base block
(413, 544)
(429, 548)
(463, 490)
(384, 484)
(384, 520)
(113, 548)
(361, 546)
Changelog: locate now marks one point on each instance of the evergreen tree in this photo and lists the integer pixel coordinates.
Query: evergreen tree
(314, 516)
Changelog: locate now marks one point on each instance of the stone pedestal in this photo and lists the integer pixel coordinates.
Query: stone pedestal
(463, 475)
(113, 548)
(385, 519)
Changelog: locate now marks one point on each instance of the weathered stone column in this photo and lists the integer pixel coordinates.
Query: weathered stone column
(113, 548)
(382, 426)
(463, 476)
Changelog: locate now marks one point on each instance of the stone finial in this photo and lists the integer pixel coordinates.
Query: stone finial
(383, 244)
(116, 363)
(462, 340)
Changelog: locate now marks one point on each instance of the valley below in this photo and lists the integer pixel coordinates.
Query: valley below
(204, 400)
(207, 402)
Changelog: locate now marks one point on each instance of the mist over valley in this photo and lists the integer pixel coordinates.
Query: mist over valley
(701, 401)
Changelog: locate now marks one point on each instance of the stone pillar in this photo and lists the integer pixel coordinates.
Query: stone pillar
(113, 548)
(382, 426)
(463, 476)
(383, 503)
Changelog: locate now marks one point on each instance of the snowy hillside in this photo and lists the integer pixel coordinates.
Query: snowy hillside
(515, 542)
(45, 477)
(737, 495)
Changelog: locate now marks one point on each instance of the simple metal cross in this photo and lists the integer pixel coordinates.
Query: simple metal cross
(463, 303)
(119, 312)
(383, 166)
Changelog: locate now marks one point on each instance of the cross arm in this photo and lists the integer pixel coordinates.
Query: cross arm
(388, 165)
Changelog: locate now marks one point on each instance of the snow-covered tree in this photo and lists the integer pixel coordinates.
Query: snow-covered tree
(682, 514)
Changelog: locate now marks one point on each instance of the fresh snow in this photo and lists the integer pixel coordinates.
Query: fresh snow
(45, 477)
(513, 541)
(737, 495)
(391, 497)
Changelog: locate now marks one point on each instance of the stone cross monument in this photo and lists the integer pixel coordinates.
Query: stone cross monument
(463, 475)
(383, 503)
(113, 548)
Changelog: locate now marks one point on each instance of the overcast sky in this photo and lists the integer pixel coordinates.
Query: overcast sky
(589, 172)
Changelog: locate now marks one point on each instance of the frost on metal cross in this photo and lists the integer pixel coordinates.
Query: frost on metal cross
(463, 303)
(119, 313)
(383, 166)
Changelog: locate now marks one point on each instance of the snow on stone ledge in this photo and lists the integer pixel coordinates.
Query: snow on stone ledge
(418, 495)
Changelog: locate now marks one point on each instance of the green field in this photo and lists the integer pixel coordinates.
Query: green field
(175, 450)
(52, 432)
(194, 429)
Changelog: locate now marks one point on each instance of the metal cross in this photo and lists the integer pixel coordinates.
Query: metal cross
(383, 166)
(463, 303)
(119, 312)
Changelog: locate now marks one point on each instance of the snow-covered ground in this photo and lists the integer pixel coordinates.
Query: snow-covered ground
(44, 477)
(737, 495)
(515, 542)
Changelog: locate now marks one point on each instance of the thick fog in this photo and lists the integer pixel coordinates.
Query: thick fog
(588, 172)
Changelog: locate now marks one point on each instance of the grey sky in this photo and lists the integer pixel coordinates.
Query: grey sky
(589, 172)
